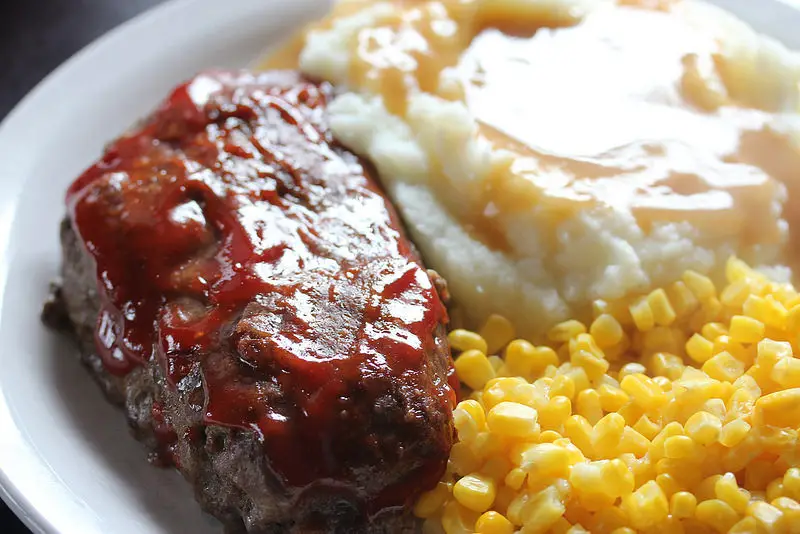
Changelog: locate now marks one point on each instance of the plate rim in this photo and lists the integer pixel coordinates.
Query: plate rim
(18, 502)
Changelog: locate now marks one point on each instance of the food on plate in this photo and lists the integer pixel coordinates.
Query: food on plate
(610, 188)
(549, 153)
(679, 413)
(240, 285)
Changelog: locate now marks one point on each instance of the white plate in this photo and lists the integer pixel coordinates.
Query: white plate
(67, 462)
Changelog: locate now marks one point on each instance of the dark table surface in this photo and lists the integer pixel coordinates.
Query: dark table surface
(37, 36)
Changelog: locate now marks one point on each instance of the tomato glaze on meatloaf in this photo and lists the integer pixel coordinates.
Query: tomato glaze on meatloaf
(239, 283)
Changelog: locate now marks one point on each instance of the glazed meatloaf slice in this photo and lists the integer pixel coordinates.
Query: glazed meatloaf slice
(240, 285)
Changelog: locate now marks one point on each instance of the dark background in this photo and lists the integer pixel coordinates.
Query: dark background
(36, 36)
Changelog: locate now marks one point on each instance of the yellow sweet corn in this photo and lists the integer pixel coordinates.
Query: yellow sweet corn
(642, 314)
(565, 331)
(606, 331)
(682, 504)
(464, 340)
(717, 514)
(474, 369)
(746, 329)
(497, 331)
(493, 523)
(513, 419)
(636, 423)
(475, 492)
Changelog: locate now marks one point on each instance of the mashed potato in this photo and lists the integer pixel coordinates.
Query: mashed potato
(549, 153)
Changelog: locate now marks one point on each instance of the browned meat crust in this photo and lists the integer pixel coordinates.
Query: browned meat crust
(395, 430)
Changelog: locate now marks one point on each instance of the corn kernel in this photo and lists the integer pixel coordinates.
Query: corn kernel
(682, 504)
(775, 489)
(474, 369)
(469, 419)
(505, 496)
(678, 447)
(646, 427)
(594, 366)
(548, 436)
(746, 525)
(545, 509)
(493, 523)
(578, 376)
(723, 366)
(642, 315)
(682, 298)
(588, 405)
(463, 459)
(586, 343)
(701, 286)
(767, 517)
(791, 511)
(516, 478)
(714, 330)
(545, 460)
(563, 386)
(496, 467)
(663, 312)
(563, 332)
(644, 391)
(633, 368)
(561, 526)
(703, 428)
(513, 419)
(606, 331)
(791, 483)
(736, 270)
(617, 478)
(578, 429)
(497, 331)
(430, 502)
(475, 492)
(781, 409)
(699, 348)
(667, 365)
(607, 433)
(464, 340)
(612, 398)
(734, 432)
(587, 477)
(647, 506)
(499, 389)
(755, 307)
(735, 294)
(786, 372)
(726, 489)
(458, 520)
(717, 514)
(746, 329)
(521, 360)
(758, 474)
(771, 352)
(555, 412)
(498, 365)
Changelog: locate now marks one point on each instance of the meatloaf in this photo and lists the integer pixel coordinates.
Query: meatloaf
(239, 284)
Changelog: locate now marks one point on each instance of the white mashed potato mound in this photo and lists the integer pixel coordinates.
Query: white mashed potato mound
(551, 272)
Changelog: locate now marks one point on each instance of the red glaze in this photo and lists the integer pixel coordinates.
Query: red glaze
(219, 173)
